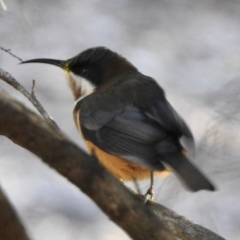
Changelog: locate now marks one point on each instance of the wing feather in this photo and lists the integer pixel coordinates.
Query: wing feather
(130, 123)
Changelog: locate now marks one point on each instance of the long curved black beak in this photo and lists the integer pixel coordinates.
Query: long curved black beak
(55, 62)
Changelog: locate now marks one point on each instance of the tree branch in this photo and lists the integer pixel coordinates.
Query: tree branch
(22, 126)
(140, 221)
(10, 225)
(182, 227)
(6, 77)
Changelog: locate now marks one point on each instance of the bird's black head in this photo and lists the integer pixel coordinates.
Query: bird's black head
(91, 69)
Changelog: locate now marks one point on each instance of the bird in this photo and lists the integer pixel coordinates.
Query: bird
(126, 120)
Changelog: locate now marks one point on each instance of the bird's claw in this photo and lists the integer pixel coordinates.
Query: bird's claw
(148, 195)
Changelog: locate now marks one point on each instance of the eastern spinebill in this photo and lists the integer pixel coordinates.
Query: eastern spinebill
(126, 120)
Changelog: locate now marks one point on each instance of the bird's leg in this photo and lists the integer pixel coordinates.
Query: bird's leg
(136, 185)
(149, 194)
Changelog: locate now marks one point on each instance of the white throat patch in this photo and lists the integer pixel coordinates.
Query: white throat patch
(80, 86)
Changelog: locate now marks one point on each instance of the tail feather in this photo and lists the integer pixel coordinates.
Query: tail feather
(187, 172)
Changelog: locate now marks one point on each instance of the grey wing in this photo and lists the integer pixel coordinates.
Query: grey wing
(131, 135)
(169, 119)
(137, 127)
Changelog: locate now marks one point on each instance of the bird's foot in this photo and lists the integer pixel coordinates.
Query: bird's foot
(148, 195)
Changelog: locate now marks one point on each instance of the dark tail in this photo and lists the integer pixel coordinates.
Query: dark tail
(188, 173)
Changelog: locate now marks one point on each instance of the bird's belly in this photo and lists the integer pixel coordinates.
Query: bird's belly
(119, 167)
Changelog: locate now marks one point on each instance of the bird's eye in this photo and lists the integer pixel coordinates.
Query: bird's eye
(85, 72)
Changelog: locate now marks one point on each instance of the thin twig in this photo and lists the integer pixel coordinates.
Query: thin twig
(33, 89)
(8, 78)
(9, 52)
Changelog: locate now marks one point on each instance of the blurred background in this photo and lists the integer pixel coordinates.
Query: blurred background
(192, 48)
